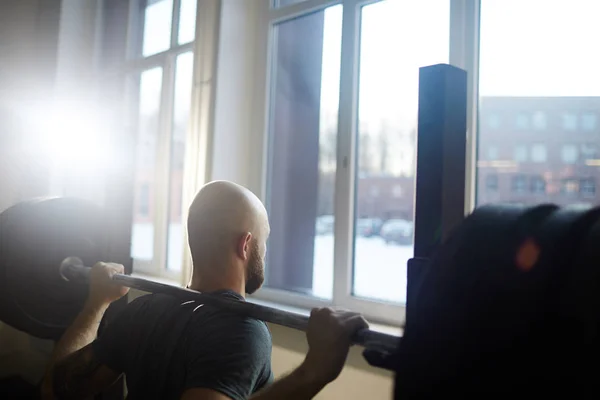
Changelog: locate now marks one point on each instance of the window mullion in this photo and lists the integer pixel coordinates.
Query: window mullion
(464, 53)
(135, 30)
(163, 167)
(344, 180)
(175, 23)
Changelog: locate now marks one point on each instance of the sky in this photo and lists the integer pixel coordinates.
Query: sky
(528, 48)
(540, 48)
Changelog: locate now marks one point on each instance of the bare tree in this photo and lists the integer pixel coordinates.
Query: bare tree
(328, 148)
(383, 144)
(364, 153)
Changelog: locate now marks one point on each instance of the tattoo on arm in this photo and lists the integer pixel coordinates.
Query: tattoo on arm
(73, 377)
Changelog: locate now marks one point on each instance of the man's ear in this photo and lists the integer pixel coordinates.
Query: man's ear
(244, 247)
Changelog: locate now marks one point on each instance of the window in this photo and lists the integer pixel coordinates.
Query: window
(539, 120)
(522, 121)
(587, 188)
(520, 153)
(160, 93)
(569, 122)
(311, 93)
(491, 183)
(387, 108)
(589, 151)
(149, 87)
(494, 121)
(539, 153)
(187, 21)
(303, 146)
(492, 153)
(341, 115)
(588, 122)
(157, 20)
(554, 96)
(181, 113)
(569, 154)
(570, 187)
(143, 200)
(519, 184)
(374, 191)
(538, 185)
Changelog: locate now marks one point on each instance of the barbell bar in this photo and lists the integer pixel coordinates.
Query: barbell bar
(72, 269)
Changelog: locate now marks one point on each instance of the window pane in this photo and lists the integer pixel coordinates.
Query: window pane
(545, 80)
(570, 122)
(181, 113)
(158, 16)
(539, 153)
(589, 122)
(397, 38)
(148, 109)
(187, 21)
(302, 153)
(520, 153)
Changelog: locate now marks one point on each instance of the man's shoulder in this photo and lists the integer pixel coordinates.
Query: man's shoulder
(217, 323)
(148, 299)
(231, 324)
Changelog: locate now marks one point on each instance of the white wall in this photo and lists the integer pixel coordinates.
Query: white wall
(357, 381)
(237, 149)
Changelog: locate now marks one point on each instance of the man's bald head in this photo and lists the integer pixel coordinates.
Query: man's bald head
(225, 220)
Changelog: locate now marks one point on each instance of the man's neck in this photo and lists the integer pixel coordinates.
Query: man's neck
(209, 284)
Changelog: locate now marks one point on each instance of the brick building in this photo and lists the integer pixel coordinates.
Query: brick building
(531, 150)
(539, 149)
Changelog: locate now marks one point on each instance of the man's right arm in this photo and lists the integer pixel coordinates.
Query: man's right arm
(329, 336)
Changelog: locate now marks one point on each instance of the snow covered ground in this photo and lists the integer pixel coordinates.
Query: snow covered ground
(379, 268)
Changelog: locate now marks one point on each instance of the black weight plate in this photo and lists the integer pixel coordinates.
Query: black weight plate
(35, 237)
(580, 314)
(560, 237)
(478, 255)
(559, 240)
(467, 293)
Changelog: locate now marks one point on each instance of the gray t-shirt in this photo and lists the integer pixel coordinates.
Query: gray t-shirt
(165, 347)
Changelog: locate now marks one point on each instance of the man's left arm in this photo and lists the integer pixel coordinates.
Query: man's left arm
(74, 370)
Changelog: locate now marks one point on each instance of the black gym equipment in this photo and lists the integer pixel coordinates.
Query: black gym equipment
(35, 237)
(507, 303)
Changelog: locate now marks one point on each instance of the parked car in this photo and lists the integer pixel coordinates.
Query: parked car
(368, 227)
(324, 225)
(397, 231)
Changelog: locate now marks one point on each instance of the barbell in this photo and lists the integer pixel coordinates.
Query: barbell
(45, 247)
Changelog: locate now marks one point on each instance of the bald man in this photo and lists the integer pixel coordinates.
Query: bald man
(173, 350)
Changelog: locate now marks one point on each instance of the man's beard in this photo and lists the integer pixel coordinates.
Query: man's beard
(255, 273)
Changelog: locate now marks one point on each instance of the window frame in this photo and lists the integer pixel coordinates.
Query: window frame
(135, 64)
(463, 53)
